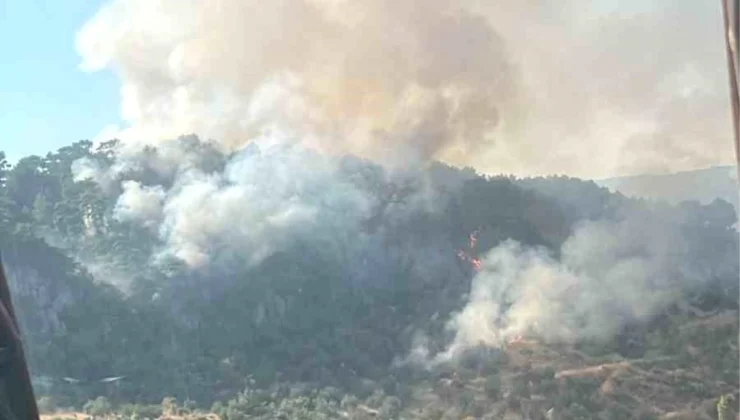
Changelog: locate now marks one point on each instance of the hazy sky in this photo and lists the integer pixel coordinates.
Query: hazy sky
(45, 101)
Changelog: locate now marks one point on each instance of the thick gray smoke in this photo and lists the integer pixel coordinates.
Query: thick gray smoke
(568, 86)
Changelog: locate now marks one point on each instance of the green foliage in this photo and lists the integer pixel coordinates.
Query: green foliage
(493, 386)
(139, 411)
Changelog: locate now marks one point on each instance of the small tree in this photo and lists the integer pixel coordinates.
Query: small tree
(725, 409)
(169, 406)
(4, 168)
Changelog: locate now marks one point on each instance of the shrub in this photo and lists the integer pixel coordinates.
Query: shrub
(98, 407)
(47, 404)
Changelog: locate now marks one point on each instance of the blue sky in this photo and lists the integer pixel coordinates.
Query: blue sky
(46, 102)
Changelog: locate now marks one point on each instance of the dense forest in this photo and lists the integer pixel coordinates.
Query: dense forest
(274, 282)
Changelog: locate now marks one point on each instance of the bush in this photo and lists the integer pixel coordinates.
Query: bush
(47, 404)
(98, 407)
(219, 409)
(140, 411)
(391, 407)
(169, 406)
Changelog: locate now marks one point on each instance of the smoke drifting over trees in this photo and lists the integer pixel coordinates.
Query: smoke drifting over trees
(328, 233)
(276, 260)
(544, 270)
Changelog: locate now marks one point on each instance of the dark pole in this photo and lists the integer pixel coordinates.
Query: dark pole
(20, 396)
(731, 15)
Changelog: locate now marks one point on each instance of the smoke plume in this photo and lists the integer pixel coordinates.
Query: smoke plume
(609, 274)
(258, 202)
(139, 203)
(520, 87)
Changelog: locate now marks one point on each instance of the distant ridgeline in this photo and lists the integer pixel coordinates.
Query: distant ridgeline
(703, 185)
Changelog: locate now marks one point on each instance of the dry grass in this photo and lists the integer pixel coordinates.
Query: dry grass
(65, 416)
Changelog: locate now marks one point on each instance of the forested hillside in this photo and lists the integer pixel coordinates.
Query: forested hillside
(274, 282)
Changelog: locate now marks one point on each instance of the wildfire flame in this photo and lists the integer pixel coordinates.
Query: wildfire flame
(469, 255)
(517, 339)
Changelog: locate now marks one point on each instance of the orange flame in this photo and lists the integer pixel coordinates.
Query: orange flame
(516, 339)
(468, 256)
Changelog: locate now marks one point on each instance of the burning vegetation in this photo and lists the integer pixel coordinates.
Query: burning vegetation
(328, 257)
(468, 255)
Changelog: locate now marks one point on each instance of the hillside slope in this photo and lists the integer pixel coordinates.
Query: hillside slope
(281, 284)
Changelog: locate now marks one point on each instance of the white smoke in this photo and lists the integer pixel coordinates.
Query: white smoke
(262, 202)
(525, 87)
(608, 274)
(139, 203)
